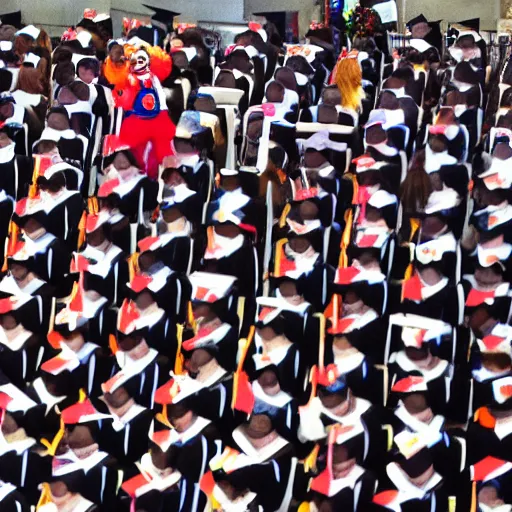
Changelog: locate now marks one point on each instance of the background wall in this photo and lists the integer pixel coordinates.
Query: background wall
(451, 10)
(57, 15)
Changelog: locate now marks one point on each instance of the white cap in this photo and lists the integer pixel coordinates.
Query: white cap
(31, 58)
(5, 46)
(30, 31)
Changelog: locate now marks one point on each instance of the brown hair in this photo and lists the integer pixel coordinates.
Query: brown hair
(30, 80)
(416, 188)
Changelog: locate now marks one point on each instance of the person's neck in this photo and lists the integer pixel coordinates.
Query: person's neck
(121, 410)
(22, 283)
(207, 370)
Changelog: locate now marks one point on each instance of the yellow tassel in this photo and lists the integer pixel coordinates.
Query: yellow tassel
(473, 498)
(32, 192)
(409, 271)
(321, 341)
(415, 225)
(240, 310)
(279, 256)
(452, 503)
(82, 396)
(163, 418)
(284, 215)
(178, 364)
(45, 497)
(355, 190)
(345, 238)
(304, 507)
(57, 439)
(92, 205)
(112, 343)
(310, 460)
(190, 317)
(133, 265)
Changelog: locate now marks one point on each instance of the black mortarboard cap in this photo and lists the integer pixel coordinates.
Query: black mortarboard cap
(473, 24)
(11, 18)
(163, 16)
(416, 20)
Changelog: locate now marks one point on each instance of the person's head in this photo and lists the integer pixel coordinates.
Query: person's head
(19, 271)
(5, 140)
(64, 73)
(88, 69)
(349, 79)
(9, 424)
(203, 311)
(488, 276)
(418, 354)
(289, 290)
(117, 398)
(198, 360)
(123, 160)
(8, 321)
(23, 43)
(96, 237)
(52, 185)
(259, 429)
(30, 80)
(172, 177)
(482, 321)
(230, 182)
(227, 230)
(159, 458)
(490, 495)
(146, 260)
(299, 244)
(6, 110)
(419, 468)
(58, 119)
(343, 461)
(74, 340)
(133, 345)
(139, 61)
(32, 227)
(417, 405)
(80, 437)
(144, 299)
(180, 416)
(269, 382)
(335, 400)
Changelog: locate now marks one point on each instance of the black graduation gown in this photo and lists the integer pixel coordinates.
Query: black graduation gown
(16, 176)
(20, 365)
(162, 336)
(129, 204)
(26, 470)
(443, 305)
(178, 254)
(190, 456)
(43, 420)
(128, 444)
(438, 380)
(483, 441)
(64, 218)
(142, 385)
(434, 500)
(6, 209)
(357, 498)
(14, 501)
(99, 483)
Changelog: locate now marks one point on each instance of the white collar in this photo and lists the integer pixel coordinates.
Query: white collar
(349, 363)
(103, 266)
(193, 431)
(435, 426)
(502, 428)
(83, 464)
(5, 490)
(259, 455)
(120, 423)
(407, 365)
(353, 417)
(279, 400)
(8, 153)
(240, 505)
(384, 149)
(9, 285)
(429, 291)
(350, 481)
(154, 480)
(46, 398)
(18, 342)
(18, 446)
(406, 487)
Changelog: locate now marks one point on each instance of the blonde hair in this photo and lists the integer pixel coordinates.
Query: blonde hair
(349, 79)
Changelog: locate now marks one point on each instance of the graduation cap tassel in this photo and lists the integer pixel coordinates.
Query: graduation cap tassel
(92, 205)
(345, 239)
(45, 497)
(12, 240)
(284, 215)
(112, 343)
(178, 363)
(81, 231)
(133, 265)
(279, 256)
(32, 192)
(473, 498)
(321, 329)
(415, 225)
(190, 317)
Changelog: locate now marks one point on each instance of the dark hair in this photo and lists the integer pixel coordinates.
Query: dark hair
(5, 80)
(416, 188)
(89, 64)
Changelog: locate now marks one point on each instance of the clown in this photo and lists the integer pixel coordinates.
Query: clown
(136, 76)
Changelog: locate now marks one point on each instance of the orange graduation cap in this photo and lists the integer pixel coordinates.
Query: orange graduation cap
(489, 468)
(411, 288)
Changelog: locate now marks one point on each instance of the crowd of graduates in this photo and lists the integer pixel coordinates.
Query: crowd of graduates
(270, 278)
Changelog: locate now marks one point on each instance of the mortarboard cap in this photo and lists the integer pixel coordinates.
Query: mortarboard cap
(30, 31)
(208, 287)
(163, 17)
(416, 21)
(11, 18)
(473, 24)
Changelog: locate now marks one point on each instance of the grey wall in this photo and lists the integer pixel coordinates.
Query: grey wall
(452, 10)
